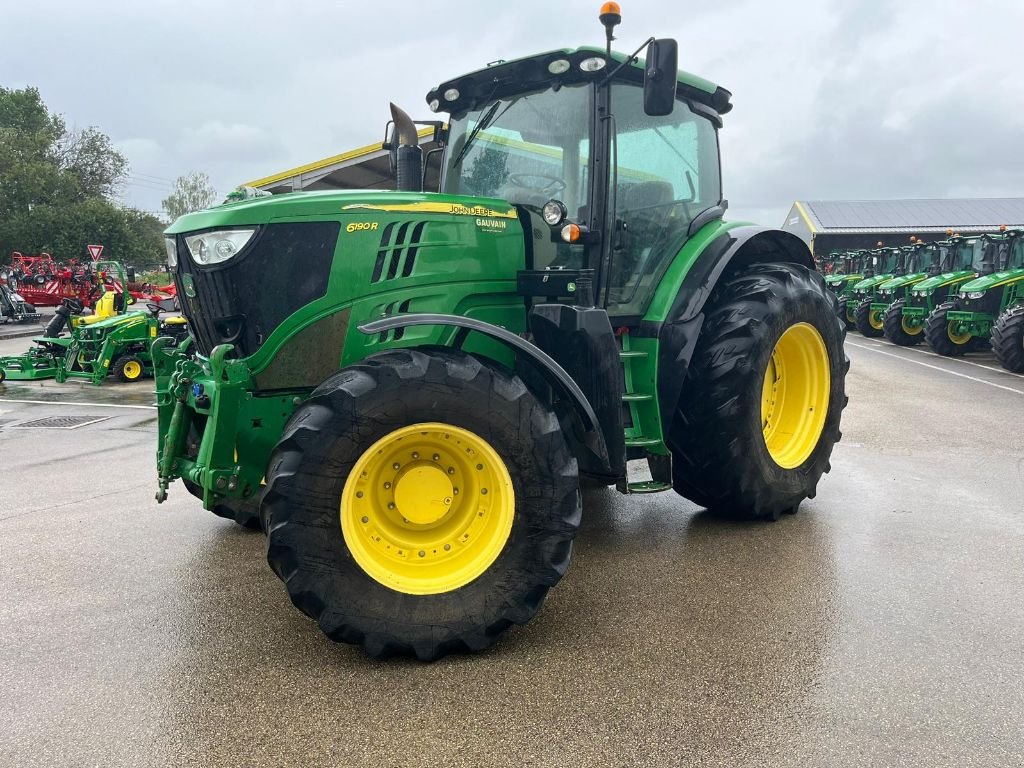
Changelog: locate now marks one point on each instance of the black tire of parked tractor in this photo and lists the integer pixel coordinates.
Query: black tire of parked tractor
(893, 326)
(326, 436)
(847, 315)
(862, 320)
(720, 458)
(128, 368)
(1008, 339)
(936, 333)
(245, 513)
(3, 375)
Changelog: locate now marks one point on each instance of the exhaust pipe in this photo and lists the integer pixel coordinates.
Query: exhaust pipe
(409, 155)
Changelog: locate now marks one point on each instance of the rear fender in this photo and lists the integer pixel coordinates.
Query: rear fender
(677, 332)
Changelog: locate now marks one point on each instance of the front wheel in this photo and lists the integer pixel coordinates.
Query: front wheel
(943, 335)
(128, 368)
(763, 396)
(899, 329)
(1008, 339)
(869, 321)
(421, 501)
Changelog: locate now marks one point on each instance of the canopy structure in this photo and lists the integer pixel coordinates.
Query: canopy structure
(828, 225)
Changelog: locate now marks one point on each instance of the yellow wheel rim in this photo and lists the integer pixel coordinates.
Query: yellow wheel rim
(427, 508)
(795, 394)
(132, 369)
(876, 320)
(956, 338)
(910, 328)
(850, 314)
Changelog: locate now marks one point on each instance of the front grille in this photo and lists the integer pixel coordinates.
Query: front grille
(242, 301)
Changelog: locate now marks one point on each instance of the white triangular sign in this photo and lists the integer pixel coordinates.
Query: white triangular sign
(94, 251)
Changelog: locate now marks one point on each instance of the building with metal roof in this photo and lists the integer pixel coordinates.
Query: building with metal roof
(367, 167)
(829, 225)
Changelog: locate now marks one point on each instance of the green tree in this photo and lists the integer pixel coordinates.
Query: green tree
(193, 192)
(56, 187)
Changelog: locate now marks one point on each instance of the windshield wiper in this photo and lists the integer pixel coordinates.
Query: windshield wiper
(485, 121)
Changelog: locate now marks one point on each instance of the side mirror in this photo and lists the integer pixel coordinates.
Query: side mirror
(390, 145)
(660, 77)
(130, 274)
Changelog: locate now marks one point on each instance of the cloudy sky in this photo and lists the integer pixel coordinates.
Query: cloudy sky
(834, 99)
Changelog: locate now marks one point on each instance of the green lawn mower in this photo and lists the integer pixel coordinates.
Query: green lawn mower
(849, 271)
(988, 307)
(868, 314)
(105, 343)
(410, 419)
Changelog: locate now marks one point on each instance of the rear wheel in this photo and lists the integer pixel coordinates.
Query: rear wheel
(1008, 339)
(763, 396)
(421, 501)
(899, 329)
(942, 334)
(869, 322)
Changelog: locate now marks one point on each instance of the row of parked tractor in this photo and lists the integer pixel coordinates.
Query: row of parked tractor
(959, 295)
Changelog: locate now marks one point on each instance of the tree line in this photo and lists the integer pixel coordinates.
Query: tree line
(58, 187)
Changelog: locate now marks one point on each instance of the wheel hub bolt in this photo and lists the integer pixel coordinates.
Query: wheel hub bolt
(415, 455)
(391, 505)
(437, 457)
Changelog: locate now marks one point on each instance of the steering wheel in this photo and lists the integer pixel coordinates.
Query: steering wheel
(554, 184)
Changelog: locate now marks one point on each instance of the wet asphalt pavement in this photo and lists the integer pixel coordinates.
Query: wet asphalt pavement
(883, 625)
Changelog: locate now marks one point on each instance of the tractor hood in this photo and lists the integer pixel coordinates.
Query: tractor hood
(839, 279)
(871, 282)
(332, 204)
(938, 281)
(994, 280)
(902, 281)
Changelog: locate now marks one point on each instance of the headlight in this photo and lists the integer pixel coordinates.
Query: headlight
(886, 292)
(554, 212)
(976, 295)
(172, 252)
(593, 64)
(214, 247)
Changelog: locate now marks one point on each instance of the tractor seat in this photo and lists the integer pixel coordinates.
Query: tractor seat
(104, 308)
(175, 321)
(648, 194)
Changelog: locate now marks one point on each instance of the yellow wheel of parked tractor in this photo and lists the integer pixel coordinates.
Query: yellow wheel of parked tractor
(763, 395)
(129, 368)
(427, 508)
(421, 501)
(794, 396)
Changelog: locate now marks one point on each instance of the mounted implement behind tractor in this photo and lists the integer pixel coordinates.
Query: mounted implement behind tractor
(989, 306)
(422, 404)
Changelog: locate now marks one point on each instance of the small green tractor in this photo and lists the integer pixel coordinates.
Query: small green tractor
(849, 271)
(109, 341)
(410, 420)
(958, 260)
(868, 312)
(989, 307)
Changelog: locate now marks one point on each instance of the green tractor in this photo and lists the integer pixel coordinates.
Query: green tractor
(956, 260)
(849, 271)
(409, 418)
(109, 341)
(989, 307)
(919, 262)
(882, 265)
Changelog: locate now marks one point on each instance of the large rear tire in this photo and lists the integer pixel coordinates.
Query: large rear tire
(763, 396)
(869, 322)
(421, 501)
(942, 337)
(1008, 339)
(897, 328)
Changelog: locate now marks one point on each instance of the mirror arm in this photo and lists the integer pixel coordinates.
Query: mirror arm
(629, 60)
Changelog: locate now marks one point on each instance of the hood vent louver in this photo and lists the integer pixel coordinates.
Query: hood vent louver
(398, 242)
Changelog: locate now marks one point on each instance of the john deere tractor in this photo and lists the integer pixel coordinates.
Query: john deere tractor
(410, 419)
(110, 341)
(990, 306)
(958, 260)
(920, 261)
(849, 271)
(884, 264)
